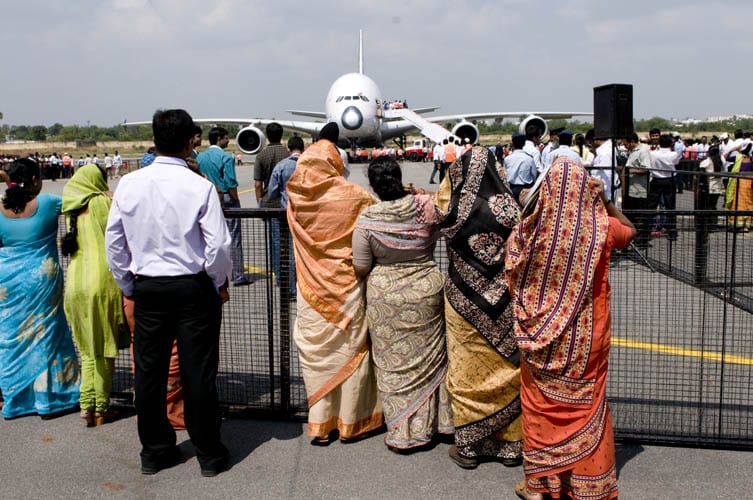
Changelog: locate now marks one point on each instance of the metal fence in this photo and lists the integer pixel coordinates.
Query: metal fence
(681, 367)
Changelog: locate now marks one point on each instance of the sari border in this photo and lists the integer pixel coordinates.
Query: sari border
(468, 434)
(342, 374)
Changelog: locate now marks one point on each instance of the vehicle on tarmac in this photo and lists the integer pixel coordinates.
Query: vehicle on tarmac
(420, 150)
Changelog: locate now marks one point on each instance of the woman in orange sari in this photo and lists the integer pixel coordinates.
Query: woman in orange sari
(556, 267)
(330, 330)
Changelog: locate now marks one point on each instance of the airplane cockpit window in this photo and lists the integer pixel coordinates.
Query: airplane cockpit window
(364, 98)
(348, 98)
(339, 99)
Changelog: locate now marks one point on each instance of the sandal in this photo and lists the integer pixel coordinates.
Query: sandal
(523, 492)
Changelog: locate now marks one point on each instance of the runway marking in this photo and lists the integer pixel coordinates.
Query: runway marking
(692, 353)
(257, 270)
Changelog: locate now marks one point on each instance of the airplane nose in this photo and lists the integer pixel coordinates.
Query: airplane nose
(352, 118)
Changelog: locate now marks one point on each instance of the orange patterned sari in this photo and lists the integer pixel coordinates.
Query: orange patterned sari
(557, 264)
(330, 329)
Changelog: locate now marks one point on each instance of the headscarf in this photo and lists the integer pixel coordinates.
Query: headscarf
(408, 223)
(323, 209)
(481, 214)
(85, 184)
(551, 262)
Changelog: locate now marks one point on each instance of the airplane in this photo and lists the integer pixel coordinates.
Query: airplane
(355, 103)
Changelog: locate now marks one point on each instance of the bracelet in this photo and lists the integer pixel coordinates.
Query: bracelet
(606, 203)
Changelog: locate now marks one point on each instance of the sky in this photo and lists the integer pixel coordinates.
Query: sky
(107, 61)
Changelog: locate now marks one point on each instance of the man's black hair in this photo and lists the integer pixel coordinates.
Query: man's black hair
(739, 133)
(654, 131)
(196, 130)
(172, 130)
(274, 132)
(634, 137)
(216, 134)
(518, 141)
(665, 141)
(295, 143)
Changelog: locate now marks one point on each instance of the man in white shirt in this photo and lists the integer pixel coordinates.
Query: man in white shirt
(117, 162)
(168, 248)
(108, 165)
(565, 148)
(663, 163)
(554, 143)
(679, 148)
(604, 161)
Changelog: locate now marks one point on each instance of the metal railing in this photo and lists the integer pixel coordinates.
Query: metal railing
(681, 367)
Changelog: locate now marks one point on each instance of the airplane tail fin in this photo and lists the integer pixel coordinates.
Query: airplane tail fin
(360, 51)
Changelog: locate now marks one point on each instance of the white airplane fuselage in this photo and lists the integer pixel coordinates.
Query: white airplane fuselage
(352, 104)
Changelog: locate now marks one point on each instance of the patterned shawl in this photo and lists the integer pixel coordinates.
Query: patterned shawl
(551, 262)
(323, 209)
(408, 223)
(480, 217)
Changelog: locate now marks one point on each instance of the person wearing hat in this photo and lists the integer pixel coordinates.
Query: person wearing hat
(554, 143)
(520, 166)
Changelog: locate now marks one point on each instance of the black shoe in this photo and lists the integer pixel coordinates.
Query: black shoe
(512, 462)
(464, 462)
(432, 182)
(171, 459)
(216, 469)
(242, 282)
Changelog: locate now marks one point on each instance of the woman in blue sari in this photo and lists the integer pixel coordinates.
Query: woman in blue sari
(38, 365)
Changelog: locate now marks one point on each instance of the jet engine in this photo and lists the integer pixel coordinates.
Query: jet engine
(466, 130)
(534, 120)
(250, 140)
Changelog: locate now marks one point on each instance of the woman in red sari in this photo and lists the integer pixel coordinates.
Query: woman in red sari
(556, 267)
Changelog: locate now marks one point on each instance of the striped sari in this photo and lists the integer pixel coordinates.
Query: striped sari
(330, 330)
(556, 266)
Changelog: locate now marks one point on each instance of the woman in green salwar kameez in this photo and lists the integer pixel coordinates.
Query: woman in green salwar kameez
(93, 302)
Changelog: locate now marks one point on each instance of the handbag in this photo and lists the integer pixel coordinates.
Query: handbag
(123, 336)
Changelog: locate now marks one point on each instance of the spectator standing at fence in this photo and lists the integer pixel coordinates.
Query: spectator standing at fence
(266, 160)
(330, 329)
(662, 185)
(585, 153)
(520, 167)
(679, 148)
(712, 187)
(93, 303)
(278, 182)
(604, 160)
(702, 147)
(393, 246)
(168, 247)
(533, 138)
(740, 190)
(637, 171)
(562, 325)
(219, 167)
(478, 211)
(38, 365)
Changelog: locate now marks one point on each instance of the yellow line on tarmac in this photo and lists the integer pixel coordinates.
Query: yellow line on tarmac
(256, 270)
(693, 353)
(247, 191)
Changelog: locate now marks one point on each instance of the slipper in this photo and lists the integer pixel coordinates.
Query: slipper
(523, 492)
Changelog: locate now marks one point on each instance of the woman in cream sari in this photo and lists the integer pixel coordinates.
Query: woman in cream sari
(483, 376)
(394, 245)
(330, 329)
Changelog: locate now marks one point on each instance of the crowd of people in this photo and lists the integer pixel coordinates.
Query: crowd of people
(505, 355)
(55, 166)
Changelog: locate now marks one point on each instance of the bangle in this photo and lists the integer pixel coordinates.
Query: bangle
(607, 202)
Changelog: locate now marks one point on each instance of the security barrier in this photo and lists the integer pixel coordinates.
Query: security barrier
(681, 367)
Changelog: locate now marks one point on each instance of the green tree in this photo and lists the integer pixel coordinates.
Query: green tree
(38, 133)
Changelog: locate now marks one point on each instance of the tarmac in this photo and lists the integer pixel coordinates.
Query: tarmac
(60, 458)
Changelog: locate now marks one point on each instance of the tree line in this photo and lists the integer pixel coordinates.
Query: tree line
(70, 133)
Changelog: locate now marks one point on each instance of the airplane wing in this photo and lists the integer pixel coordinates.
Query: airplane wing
(507, 114)
(312, 114)
(299, 126)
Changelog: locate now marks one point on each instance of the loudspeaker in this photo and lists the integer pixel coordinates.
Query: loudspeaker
(613, 111)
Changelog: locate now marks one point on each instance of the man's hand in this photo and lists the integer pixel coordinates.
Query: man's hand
(224, 294)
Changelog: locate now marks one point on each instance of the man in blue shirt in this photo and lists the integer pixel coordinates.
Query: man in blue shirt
(520, 166)
(277, 182)
(219, 167)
